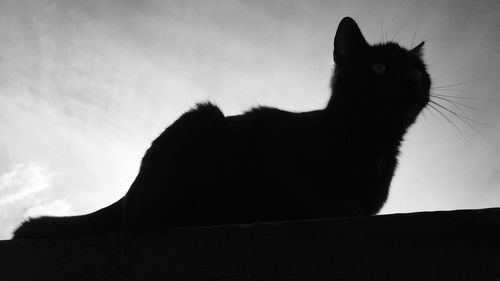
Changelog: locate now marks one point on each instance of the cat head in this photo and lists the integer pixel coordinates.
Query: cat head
(387, 78)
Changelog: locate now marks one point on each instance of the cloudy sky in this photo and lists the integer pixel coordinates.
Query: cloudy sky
(85, 86)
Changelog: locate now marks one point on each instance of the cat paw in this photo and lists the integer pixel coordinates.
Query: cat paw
(343, 208)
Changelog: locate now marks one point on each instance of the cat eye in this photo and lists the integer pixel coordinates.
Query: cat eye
(379, 68)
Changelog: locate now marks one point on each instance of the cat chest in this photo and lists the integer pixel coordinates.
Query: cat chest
(315, 158)
(332, 166)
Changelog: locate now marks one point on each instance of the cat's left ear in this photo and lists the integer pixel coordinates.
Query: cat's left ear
(418, 49)
(348, 42)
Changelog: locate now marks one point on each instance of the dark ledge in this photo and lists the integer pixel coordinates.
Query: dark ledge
(451, 245)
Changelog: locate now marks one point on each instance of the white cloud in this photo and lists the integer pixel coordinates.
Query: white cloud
(19, 196)
(23, 180)
(53, 208)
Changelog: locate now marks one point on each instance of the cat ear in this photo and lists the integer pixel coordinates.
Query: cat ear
(418, 49)
(348, 40)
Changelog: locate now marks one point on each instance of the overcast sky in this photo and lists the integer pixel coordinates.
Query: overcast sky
(85, 86)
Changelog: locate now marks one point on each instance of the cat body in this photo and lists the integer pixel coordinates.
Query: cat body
(268, 164)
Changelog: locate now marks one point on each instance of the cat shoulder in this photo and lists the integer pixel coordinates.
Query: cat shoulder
(204, 116)
(201, 128)
(202, 112)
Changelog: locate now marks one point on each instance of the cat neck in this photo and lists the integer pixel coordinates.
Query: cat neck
(364, 122)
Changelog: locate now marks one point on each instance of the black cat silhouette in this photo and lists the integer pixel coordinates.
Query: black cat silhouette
(268, 164)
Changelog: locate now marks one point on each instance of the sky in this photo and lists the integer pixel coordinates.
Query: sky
(85, 86)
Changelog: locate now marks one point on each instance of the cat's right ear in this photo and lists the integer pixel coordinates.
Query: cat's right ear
(348, 41)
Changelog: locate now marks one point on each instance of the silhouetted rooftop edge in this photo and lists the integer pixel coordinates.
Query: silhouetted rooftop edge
(445, 245)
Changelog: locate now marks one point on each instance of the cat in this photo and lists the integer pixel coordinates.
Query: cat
(268, 164)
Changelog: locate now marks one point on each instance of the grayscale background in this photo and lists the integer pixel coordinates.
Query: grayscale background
(85, 86)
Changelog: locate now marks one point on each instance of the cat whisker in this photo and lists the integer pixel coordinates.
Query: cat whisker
(455, 84)
(465, 119)
(452, 103)
(395, 35)
(382, 30)
(462, 116)
(456, 97)
(456, 103)
(437, 38)
(449, 121)
(388, 28)
(385, 34)
(431, 112)
(415, 32)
